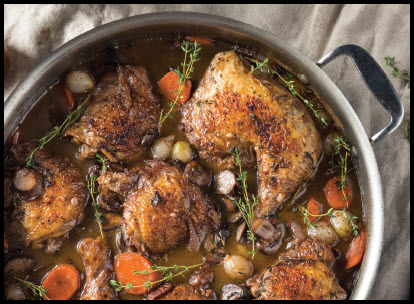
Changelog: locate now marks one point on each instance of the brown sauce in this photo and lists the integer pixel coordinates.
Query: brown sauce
(158, 55)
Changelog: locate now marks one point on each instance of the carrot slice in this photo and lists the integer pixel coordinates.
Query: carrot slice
(170, 84)
(314, 208)
(356, 249)
(200, 40)
(69, 100)
(61, 282)
(334, 194)
(125, 263)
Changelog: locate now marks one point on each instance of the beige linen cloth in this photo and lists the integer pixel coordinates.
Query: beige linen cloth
(33, 31)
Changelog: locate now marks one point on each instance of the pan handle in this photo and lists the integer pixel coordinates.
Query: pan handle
(376, 80)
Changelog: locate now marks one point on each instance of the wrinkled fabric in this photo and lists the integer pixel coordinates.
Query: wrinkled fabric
(33, 31)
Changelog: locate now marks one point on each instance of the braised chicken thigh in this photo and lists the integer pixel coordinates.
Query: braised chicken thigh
(301, 274)
(122, 119)
(233, 108)
(49, 199)
(161, 208)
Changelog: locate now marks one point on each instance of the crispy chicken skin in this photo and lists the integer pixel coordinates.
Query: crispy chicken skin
(300, 274)
(57, 210)
(122, 119)
(233, 108)
(99, 271)
(161, 209)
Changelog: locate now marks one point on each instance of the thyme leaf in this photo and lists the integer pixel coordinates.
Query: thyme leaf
(405, 75)
(245, 206)
(36, 289)
(191, 51)
(168, 272)
(91, 180)
(102, 160)
(57, 131)
(290, 85)
(305, 213)
(341, 150)
(354, 228)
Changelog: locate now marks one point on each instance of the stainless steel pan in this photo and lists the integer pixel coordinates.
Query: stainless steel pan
(47, 72)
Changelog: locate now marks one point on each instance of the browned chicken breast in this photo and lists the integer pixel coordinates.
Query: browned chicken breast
(49, 199)
(122, 119)
(161, 209)
(99, 270)
(301, 274)
(233, 108)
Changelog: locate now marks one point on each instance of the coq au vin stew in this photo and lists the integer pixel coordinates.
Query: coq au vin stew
(180, 167)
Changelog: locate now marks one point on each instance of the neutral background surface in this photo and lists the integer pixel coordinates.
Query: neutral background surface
(33, 31)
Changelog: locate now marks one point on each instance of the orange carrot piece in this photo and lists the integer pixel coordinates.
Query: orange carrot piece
(314, 208)
(125, 263)
(69, 100)
(334, 194)
(61, 282)
(200, 40)
(356, 249)
(169, 85)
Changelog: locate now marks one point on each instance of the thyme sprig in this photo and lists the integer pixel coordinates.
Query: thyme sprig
(191, 51)
(354, 228)
(57, 131)
(289, 84)
(245, 206)
(36, 289)
(102, 160)
(341, 145)
(405, 75)
(91, 180)
(305, 213)
(168, 272)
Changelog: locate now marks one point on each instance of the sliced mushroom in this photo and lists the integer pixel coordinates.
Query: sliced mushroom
(222, 235)
(120, 241)
(202, 277)
(264, 229)
(240, 231)
(224, 182)
(215, 257)
(235, 217)
(111, 221)
(230, 206)
(109, 201)
(28, 181)
(297, 232)
(253, 284)
(160, 291)
(271, 233)
(197, 174)
(235, 292)
(22, 265)
(53, 245)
